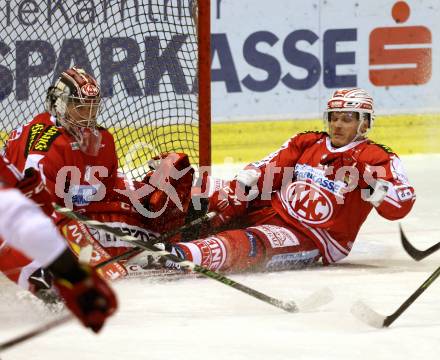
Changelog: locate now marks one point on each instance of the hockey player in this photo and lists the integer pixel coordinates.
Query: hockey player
(23, 226)
(76, 157)
(14, 264)
(309, 199)
(78, 163)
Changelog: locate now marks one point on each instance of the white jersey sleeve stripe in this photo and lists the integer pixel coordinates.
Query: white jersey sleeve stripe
(331, 253)
(325, 234)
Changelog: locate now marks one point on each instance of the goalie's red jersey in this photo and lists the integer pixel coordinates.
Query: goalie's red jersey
(330, 210)
(68, 172)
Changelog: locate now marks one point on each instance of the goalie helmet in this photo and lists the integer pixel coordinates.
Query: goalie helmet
(75, 100)
(352, 100)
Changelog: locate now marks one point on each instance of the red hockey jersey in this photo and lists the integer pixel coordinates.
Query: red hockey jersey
(68, 172)
(76, 179)
(322, 191)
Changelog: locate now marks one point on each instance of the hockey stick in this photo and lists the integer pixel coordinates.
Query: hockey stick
(123, 236)
(315, 300)
(416, 254)
(364, 313)
(42, 329)
(162, 238)
(35, 332)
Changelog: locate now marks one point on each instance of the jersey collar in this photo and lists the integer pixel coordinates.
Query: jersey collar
(343, 148)
(53, 119)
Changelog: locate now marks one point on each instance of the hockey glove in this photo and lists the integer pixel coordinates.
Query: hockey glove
(171, 179)
(378, 193)
(85, 293)
(171, 174)
(32, 186)
(227, 205)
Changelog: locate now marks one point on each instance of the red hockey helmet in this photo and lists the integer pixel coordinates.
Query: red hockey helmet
(75, 100)
(352, 100)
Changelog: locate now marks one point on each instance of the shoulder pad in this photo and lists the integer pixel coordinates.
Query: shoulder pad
(385, 148)
(310, 136)
(312, 132)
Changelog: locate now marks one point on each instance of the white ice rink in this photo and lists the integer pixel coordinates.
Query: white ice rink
(200, 319)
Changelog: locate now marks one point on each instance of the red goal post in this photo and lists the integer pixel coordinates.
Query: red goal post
(204, 40)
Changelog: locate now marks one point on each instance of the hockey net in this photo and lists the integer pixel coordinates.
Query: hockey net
(145, 55)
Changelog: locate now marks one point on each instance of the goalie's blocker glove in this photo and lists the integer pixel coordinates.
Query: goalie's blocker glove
(85, 293)
(171, 176)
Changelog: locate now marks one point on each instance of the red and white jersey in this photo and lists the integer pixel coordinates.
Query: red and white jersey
(66, 170)
(9, 174)
(26, 228)
(326, 205)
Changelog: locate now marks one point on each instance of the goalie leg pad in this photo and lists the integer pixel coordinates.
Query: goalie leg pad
(78, 236)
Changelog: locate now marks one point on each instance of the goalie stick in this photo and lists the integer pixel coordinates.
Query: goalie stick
(416, 254)
(366, 314)
(137, 250)
(315, 300)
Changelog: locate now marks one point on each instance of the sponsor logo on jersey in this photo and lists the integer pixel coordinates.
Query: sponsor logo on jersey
(35, 130)
(277, 235)
(305, 172)
(307, 202)
(213, 253)
(82, 195)
(74, 146)
(252, 243)
(46, 138)
(289, 261)
(404, 194)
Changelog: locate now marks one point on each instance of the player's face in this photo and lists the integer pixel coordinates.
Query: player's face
(343, 127)
(84, 115)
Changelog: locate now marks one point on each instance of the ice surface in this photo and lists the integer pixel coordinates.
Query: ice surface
(203, 319)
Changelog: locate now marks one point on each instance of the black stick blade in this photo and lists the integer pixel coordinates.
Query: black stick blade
(415, 253)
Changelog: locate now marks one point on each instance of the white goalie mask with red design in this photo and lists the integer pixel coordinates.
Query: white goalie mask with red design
(355, 101)
(75, 100)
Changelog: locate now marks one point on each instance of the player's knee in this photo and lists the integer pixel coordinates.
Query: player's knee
(284, 249)
(263, 247)
(234, 250)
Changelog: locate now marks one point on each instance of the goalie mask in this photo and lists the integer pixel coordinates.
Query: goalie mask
(355, 101)
(75, 100)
